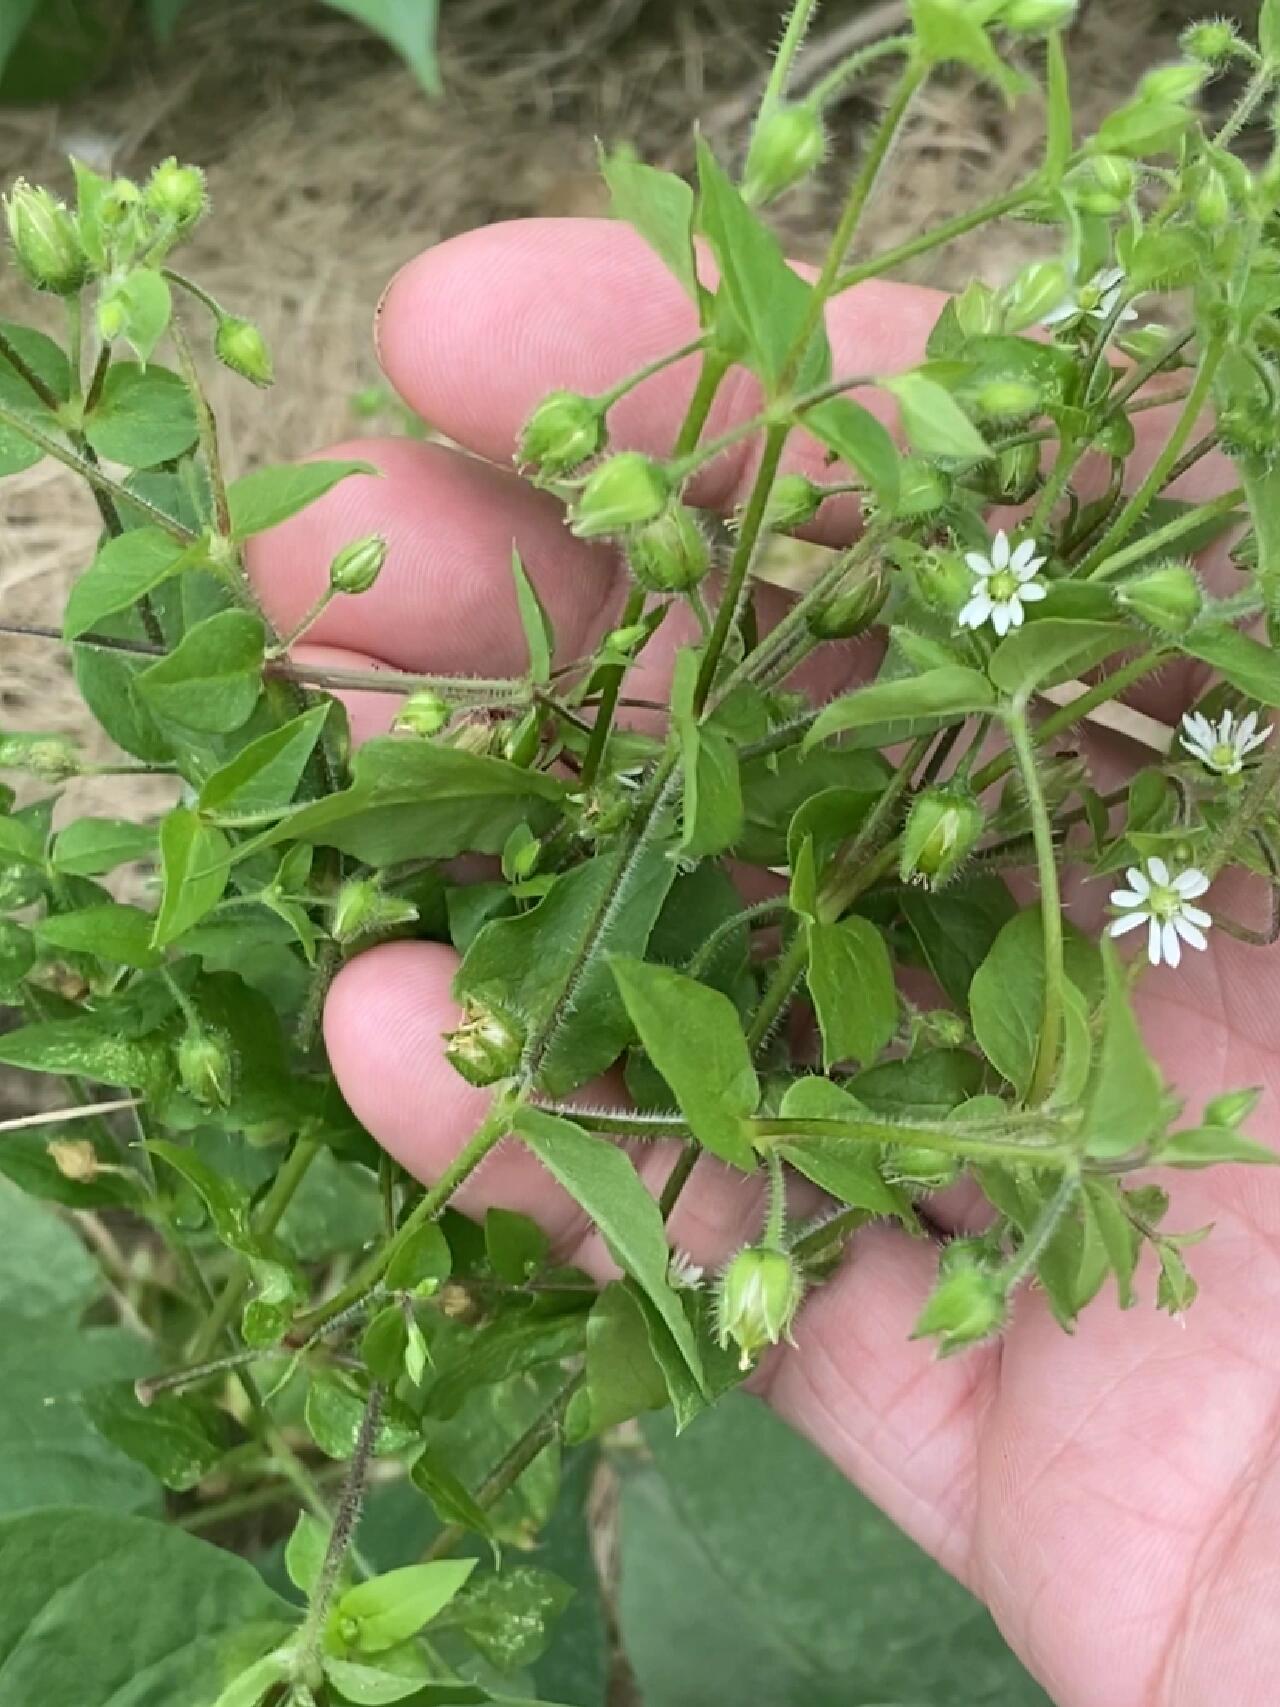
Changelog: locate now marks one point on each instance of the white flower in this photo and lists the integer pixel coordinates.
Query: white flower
(1095, 301)
(1163, 904)
(683, 1273)
(1223, 746)
(1005, 582)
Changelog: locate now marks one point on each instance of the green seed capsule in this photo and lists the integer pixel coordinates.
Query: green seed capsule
(789, 144)
(562, 433)
(52, 758)
(759, 1295)
(45, 240)
(793, 503)
(239, 345)
(206, 1068)
(919, 1168)
(487, 1045)
(669, 555)
(1211, 42)
(177, 193)
(1008, 400)
(1170, 598)
(967, 1306)
(1213, 202)
(625, 492)
(1172, 84)
(362, 910)
(943, 828)
(358, 565)
(852, 612)
(423, 713)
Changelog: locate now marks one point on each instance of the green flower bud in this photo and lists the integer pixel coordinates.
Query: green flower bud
(363, 910)
(669, 555)
(625, 492)
(943, 582)
(944, 826)
(487, 1044)
(1114, 174)
(852, 612)
(977, 310)
(113, 317)
(624, 641)
(1213, 202)
(563, 431)
(1231, 1109)
(793, 503)
(1170, 597)
(759, 1295)
(177, 193)
(52, 758)
(239, 345)
(919, 1168)
(423, 713)
(1008, 400)
(1211, 41)
(1172, 84)
(45, 239)
(206, 1068)
(120, 203)
(967, 1305)
(1037, 17)
(786, 147)
(1014, 475)
(1037, 291)
(358, 565)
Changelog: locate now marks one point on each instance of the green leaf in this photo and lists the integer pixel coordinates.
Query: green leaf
(49, 363)
(777, 787)
(422, 1263)
(694, 1038)
(179, 1438)
(933, 421)
(953, 31)
(713, 811)
(13, 21)
(861, 441)
(1143, 127)
(192, 1618)
(659, 205)
(147, 304)
(91, 846)
(623, 1377)
(529, 961)
(1206, 1146)
(391, 1608)
(1053, 650)
(950, 692)
(89, 1047)
(305, 1553)
(409, 26)
(516, 1246)
(1116, 1233)
(509, 1617)
(1125, 1103)
(417, 800)
(144, 416)
(852, 986)
(269, 496)
(1006, 997)
(107, 684)
(195, 861)
(846, 1168)
(375, 1685)
(253, 1686)
(266, 772)
(213, 679)
(451, 1499)
(956, 927)
(534, 621)
(753, 1571)
(1246, 663)
(45, 1271)
(334, 1412)
(771, 303)
(125, 570)
(112, 932)
(600, 1178)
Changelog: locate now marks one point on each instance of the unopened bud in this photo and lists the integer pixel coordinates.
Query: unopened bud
(1172, 84)
(113, 317)
(239, 345)
(423, 713)
(177, 193)
(852, 612)
(1037, 291)
(562, 433)
(206, 1068)
(669, 555)
(793, 503)
(358, 565)
(943, 582)
(75, 1159)
(1114, 174)
(786, 147)
(1211, 41)
(624, 641)
(625, 492)
(1008, 400)
(1170, 598)
(759, 1295)
(45, 239)
(362, 909)
(1213, 202)
(1231, 1109)
(487, 1045)
(967, 1306)
(1014, 475)
(919, 1168)
(943, 828)
(1036, 17)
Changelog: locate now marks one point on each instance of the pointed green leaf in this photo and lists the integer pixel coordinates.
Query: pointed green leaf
(144, 416)
(125, 570)
(851, 982)
(267, 772)
(933, 421)
(213, 679)
(1126, 1102)
(845, 1167)
(410, 28)
(195, 862)
(1246, 663)
(861, 441)
(534, 621)
(949, 692)
(1206, 1146)
(391, 1608)
(659, 205)
(91, 846)
(268, 496)
(713, 811)
(111, 932)
(1053, 650)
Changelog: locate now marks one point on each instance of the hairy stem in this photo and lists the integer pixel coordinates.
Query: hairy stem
(1046, 1065)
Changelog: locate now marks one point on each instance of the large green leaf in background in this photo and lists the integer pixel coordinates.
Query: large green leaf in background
(752, 1571)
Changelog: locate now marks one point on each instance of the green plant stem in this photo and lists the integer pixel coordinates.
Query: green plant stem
(65, 1116)
(790, 45)
(265, 1222)
(954, 1140)
(855, 65)
(608, 398)
(775, 1226)
(1258, 795)
(750, 535)
(1247, 105)
(307, 620)
(940, 235)
(1145, 371)
(197, 291)
(345, 1522)
(707, 951)
(1150, 544)
(75, 342)
(92, 474)
(1158, 474)
(1046, 1225)
(610, 688)
(1046, 1065)
(710, 378)
(208, 431)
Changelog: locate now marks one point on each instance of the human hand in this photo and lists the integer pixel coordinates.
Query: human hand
(1113, 1496)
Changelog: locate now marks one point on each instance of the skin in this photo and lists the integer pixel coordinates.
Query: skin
(1114, 1495)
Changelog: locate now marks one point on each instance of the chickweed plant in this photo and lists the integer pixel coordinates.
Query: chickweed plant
(822, 942)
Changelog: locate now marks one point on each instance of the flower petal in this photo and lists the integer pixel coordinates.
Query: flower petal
(1016, 612)
(1000, 550)
(1159, 871)
(1023, 555)
(1170, 943)
(1126, 898)
(1139, 881)
(979, 564)
(1030, 568)
(1033, 592)
(1196, 915)
(1155, 953)
(1002, 618)
(1190, 883)
(976, 612)
(1129, 922)
(1190, 933)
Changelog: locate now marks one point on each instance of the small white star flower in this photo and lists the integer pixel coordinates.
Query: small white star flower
(1096, 300)
(1005, 581)
(1223, 746)
(683, 1273)
(1162, 902)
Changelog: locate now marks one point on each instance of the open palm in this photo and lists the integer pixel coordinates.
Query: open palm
(1114, 1496)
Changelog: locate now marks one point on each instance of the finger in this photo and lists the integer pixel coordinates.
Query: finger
(445, 599)
(474, 332)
